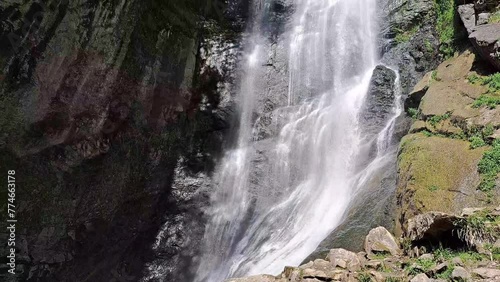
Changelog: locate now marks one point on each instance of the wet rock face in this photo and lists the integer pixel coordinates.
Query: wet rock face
(380, 99)
(417, 53)
(112, 118)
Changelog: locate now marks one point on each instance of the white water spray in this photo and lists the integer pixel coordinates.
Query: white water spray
(313, 171)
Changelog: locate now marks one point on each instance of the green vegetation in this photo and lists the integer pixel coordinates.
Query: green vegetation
(403, 36)
(414, 113)
(474, 229)
(446, 275)
(434, 75)
(489, 167)
(446, 25)
(486, 100)
(495, 18)
(364, 277)
(492, 97)
(428, 46)
(420, 266)
(434, 120)
(380, 255)
(393, 279)
(476, 142)
(433, 188)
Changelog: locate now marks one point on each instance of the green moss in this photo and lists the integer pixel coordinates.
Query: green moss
(425, 162)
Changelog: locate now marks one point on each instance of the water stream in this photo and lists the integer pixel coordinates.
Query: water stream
(313, 166)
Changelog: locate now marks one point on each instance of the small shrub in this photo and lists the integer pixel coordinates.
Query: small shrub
(442, 254)
(364, 277)
(493, 82)
(490, 163)
(434, 120)
(476, 142)
(426, 264)
(486, 100)
(489, 167)
(414, 113)
(446, 275)
(488, 130)
(471, 256)
(474, 79)
(427, 133)
(434, 75)
(495, 18)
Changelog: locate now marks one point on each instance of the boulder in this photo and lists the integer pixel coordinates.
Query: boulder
(485, 39)
(420, 278)
(344, 259)
(487, 273)
(460, 274)
(468, 16)
(380, 240)
(435, 174)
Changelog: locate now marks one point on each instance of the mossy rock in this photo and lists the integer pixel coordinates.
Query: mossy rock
(436, 174)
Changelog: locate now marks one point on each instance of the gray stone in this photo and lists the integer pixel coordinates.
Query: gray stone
(487, 272)
(380, 240)
(379, 100)
(485, 39)
(460, 273)
(468, 16)
(497, 244)
(483, 18)
(457, 261)
(427, 256)
(344, 259)
(420, 278)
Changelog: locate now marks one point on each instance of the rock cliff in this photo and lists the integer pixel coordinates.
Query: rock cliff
(112, 113)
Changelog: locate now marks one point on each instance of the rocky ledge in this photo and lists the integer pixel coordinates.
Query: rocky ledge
(435, 247)
(482, 21)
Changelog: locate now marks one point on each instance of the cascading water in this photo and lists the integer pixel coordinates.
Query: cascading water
(313, 163)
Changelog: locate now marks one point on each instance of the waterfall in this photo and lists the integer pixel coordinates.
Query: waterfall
(313, 165)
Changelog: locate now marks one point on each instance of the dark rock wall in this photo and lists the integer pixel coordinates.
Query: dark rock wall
(102, 104)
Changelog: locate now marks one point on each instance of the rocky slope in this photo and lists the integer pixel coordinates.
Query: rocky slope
(112, 113)
(438, 160)
(415, 259)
